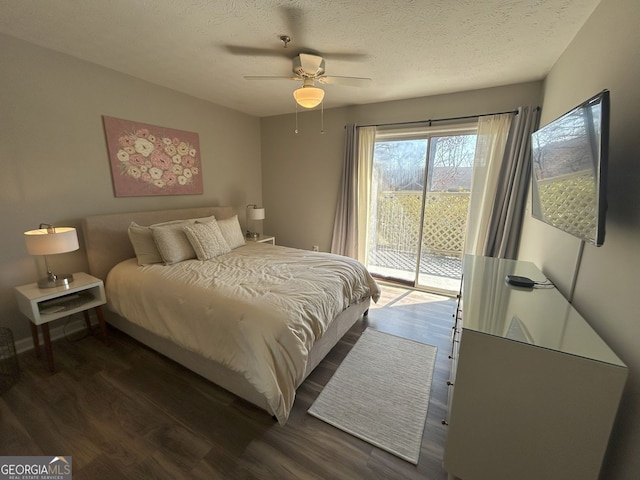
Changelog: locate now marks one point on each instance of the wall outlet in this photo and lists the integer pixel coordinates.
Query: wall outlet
(316, 248)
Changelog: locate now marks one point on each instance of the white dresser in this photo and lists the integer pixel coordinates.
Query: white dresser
(534, 390)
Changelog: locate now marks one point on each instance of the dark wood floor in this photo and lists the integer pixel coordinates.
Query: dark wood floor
(124, 411)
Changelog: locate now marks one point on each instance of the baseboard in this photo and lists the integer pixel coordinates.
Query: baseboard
(74, 325)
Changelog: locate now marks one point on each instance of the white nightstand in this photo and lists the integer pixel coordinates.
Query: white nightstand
(43, 305)
(262, 238)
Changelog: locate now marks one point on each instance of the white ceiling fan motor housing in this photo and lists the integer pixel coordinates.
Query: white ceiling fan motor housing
(314, 60)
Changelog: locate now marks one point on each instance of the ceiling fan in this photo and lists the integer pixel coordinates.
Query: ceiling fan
(307, 68)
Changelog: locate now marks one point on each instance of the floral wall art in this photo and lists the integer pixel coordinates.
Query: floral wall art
(150, 160)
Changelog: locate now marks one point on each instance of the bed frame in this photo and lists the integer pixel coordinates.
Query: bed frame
(107, 243)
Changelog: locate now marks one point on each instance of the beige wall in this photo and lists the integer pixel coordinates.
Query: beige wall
(604, 54)
(54, 158)
(302, 172)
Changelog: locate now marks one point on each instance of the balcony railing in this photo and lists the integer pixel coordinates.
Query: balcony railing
(398, 222)
(395, 232)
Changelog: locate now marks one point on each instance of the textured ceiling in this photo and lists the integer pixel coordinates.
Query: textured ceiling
(408, 48)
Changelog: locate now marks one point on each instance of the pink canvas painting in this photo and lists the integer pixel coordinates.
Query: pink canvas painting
(150, 160)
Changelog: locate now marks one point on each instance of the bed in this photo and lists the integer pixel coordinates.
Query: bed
(255, 319)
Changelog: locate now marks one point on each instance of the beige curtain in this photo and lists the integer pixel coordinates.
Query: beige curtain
(366, 143)
(352, 211)
(493, 131)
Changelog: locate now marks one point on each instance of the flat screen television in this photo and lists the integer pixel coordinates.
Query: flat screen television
(569, 170)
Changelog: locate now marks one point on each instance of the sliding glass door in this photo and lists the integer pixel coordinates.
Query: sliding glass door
(420, 193)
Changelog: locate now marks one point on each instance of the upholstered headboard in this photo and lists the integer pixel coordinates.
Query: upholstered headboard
(107, 240)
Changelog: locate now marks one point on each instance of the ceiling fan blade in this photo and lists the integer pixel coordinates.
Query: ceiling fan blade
(270, 77)
(290, 52)
(310, 63)
(346, 81)
(258, 52)
(347, 56)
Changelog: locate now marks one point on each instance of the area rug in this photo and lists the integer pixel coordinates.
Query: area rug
(380, 393)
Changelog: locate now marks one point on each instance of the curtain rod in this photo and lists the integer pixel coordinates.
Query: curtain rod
(430, 121)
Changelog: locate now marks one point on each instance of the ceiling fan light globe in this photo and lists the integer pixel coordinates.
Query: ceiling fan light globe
(308, 97)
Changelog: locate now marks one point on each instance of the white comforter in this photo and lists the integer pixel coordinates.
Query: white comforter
(258, 310)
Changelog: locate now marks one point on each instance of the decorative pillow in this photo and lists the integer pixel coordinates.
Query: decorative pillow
(206, 239)
(143, 244)
(231, 231)
(172, 243)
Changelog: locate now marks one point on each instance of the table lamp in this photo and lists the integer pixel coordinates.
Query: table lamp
(50, 240)
(254, 213)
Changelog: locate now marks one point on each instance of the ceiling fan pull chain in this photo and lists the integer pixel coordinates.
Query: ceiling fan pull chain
(322, 117)
(296, 130)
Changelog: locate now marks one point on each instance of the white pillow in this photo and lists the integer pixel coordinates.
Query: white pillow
(172, 242)
(143, 244)
(232, 232)
(206, 239)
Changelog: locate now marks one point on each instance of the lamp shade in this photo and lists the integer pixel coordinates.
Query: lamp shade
(50, 241)
(255, 213)
(308, 96)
